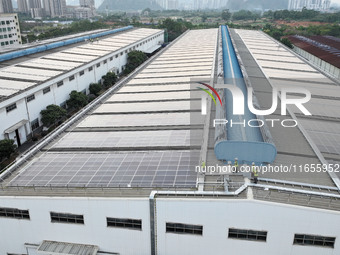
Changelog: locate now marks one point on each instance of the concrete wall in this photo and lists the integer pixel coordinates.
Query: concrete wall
(59, 95)
(215, 215)
(95, 231)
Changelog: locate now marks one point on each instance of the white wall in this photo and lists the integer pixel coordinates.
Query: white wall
(8, 119)
(15, 233)
(216, 215)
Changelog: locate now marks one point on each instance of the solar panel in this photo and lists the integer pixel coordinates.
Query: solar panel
(124, 169)
(142, 120)
(171, 106)
(326, 135)
(131, 139)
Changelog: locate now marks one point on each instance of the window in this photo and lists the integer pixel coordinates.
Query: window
(14, 213)
(46, 90)
(35, 124)
(60, 83)
(116, 55)
(121, 53)
(67, 218)
(90, 68)
(245, 234)
(71, 78)
(81, 73)
(11, 107)
(30, 98)
(111, 58)
(180, 228)
(98, 65)
(105, 61)
(302, 239)
(124, 223)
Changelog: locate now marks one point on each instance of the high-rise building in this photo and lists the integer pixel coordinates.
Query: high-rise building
(34, 4)
(172, 4)
(23, 6)
(87, 9)
(319, 5)
(86, 3)
(6, 6)
(55, 8)
(9, 31)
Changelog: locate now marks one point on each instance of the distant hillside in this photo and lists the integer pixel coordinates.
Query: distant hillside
(257, 4)
(128, 5)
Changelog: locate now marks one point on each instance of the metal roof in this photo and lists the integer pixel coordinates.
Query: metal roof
(324, 47)
(62, 248)
(323, 105)
(140, 138)
(27, 72)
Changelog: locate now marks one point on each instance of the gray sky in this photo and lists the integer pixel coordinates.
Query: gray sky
(335, 2)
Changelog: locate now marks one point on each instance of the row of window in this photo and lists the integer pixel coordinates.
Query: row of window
(5, 36)
(71, 218)
(178, 228)
(6, 22)
(252, 235)
(7, 43)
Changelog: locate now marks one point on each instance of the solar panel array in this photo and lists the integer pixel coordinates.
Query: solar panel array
(123, 169)
(148, 134)
(287, 70)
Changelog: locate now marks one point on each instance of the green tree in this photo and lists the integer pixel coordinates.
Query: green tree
(7, 147)
(135, 58)
(226, 15)
(287, 42)
(109, 79)
(52, 114)
(77, 100)
(175, 27)
(95, 88)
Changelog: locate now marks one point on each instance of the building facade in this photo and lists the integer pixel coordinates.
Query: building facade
(50, 79)
(23, 6)
(10, 36)
(6, 6)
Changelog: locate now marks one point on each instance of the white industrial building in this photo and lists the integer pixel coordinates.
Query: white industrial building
(119, 177)
(27, 87)
(10, 36)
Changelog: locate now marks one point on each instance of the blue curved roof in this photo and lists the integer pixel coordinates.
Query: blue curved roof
(41, 48)
(243, 142)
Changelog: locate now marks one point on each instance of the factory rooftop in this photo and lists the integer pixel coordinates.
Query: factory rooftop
(326, 48)
(148, 132)
(24, 73)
